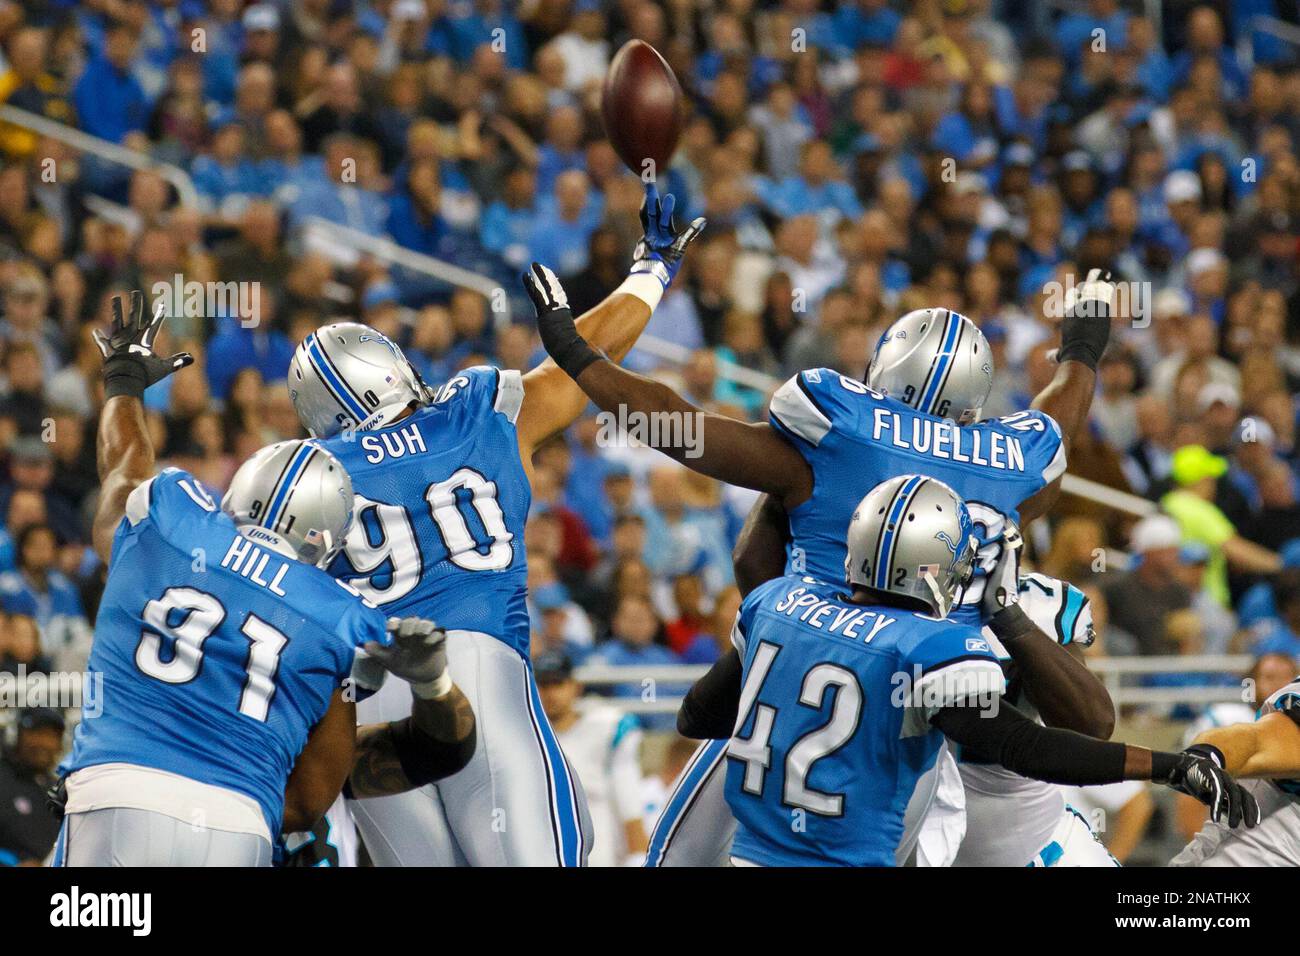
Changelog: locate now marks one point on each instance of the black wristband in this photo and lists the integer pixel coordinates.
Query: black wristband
(1084, 337)
(124, 375)
(1163, 765)
(1010, 623)
(570, 350)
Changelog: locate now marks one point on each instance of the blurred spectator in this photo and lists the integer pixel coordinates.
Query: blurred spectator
(604, 746)
(1140, 599)
(27, 828)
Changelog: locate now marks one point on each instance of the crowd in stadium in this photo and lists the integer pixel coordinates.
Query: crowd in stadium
(854, 159)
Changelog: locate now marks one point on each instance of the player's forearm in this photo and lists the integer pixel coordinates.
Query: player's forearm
(1269, 747)
(1023, 746)
(125, 458)
(735, 452)
(759, 554)
(552, 400)
(1065, 692)
(1068, 399)
(616, 324)
(436, 741)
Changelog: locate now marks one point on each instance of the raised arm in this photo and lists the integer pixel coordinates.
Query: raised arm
(752, 456)
(123, 451)
(1085, 330)
(552, 401)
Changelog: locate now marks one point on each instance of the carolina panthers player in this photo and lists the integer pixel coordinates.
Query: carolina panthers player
(1268, 751)
(846, 696)
(1047, 831)
(832, 437)
(224, 650)
(442, 479)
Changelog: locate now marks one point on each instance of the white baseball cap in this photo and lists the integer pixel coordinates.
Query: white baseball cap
(1170, 302)
(1153, 533)
(1182, 186)
(1204, 259)
(1213, 393)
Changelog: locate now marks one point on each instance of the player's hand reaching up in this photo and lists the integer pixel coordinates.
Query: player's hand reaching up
(660, 250)
(417, 654)
(130, 365)
(1198, 772)
(555, 325)
(1085, 328)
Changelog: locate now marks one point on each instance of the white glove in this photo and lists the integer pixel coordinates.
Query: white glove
(418, 655)
(368, 675)
(1094, 288)
(1002, 586)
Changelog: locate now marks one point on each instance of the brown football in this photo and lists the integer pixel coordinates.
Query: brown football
(642, 108)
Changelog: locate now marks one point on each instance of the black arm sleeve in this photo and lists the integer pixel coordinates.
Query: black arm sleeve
(1028, 748)
(424, 758)
(709, 710)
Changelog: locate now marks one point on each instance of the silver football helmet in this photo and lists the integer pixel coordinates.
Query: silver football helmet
(348, 376)
(937, 361)
(295, 498)
(912, 537)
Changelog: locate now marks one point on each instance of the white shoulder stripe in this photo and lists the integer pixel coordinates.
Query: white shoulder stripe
(792, 407)
(510, 393)
(137, 503)
(968, 682)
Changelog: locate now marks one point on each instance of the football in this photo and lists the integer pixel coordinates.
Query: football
(641, 104)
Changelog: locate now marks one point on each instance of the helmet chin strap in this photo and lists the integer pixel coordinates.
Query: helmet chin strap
(940, 602)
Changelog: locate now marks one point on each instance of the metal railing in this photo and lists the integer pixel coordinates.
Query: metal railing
(1114, 672)
(112, 152)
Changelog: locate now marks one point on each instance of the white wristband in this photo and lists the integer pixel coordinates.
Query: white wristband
(645, 287)
(440, 686)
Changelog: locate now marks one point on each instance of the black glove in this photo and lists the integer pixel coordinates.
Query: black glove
(130, 365)
(1198, 772)
(555, 322)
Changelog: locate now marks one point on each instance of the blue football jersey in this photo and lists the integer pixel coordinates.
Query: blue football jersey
(834, 728)
(442, 499)
(853, 438)
(218, 656)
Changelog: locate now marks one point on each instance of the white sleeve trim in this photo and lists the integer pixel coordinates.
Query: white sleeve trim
(137, 503)
(510, 393)
(1056, 467)
(971, 683)
(738, 636)
(792, 407)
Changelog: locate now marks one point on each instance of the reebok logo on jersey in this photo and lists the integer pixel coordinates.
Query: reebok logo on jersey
(976, 644)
